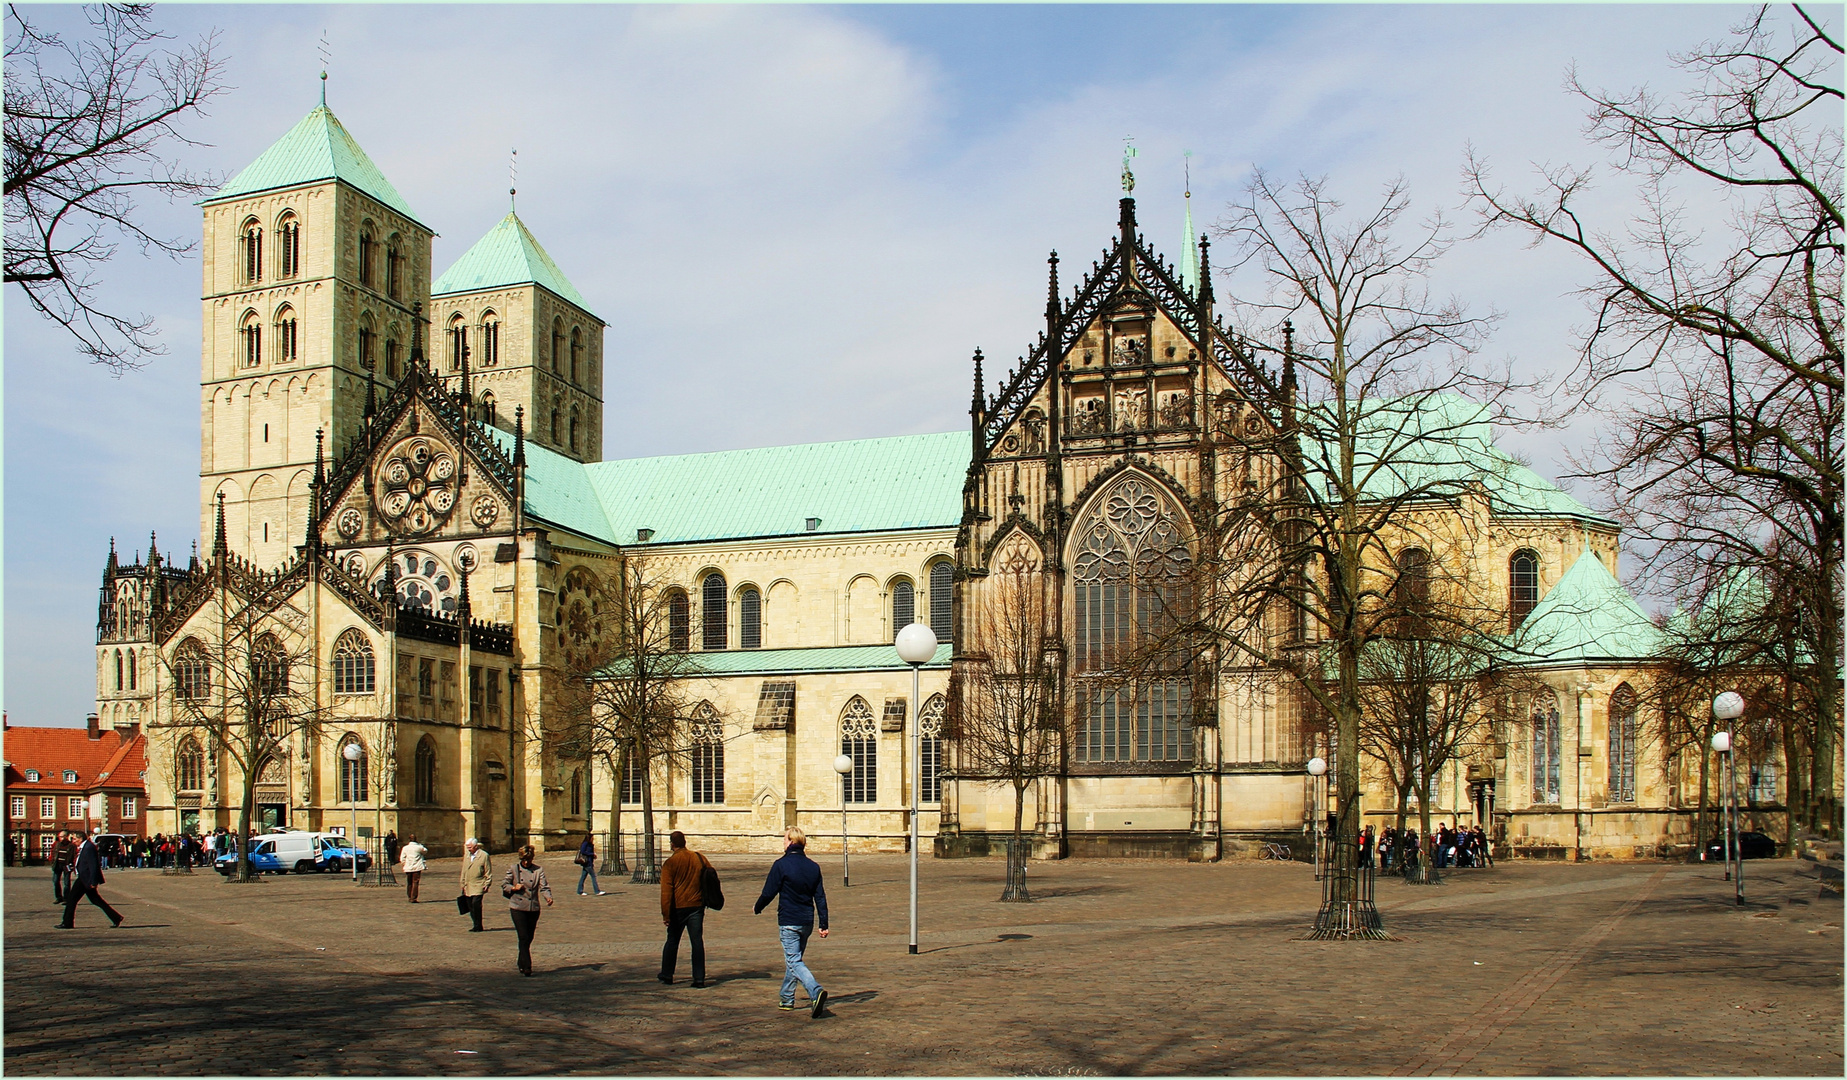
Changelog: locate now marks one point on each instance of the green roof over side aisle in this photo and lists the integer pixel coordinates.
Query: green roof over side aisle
(319, 148)
(867, 485)
(820, 661)
(1588, 616)
(507, 255)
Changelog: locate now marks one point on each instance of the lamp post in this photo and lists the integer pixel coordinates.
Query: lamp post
(1728, 707)
(1317, 769)
(843, 765)
(916, 645)
(352, 753)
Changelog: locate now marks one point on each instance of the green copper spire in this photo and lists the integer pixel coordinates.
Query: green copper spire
(507, 255)
(1189, 241)
(319, 148)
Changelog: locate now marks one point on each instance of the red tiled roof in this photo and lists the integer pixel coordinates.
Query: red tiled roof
(110, 761)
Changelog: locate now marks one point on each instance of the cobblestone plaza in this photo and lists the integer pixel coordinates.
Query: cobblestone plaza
(1117, 968)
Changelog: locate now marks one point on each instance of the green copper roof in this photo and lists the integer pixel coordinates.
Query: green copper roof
(1587, 616)
(868, 485)
(318, 148)
(558, 491)
(507, 255)
(883, 657)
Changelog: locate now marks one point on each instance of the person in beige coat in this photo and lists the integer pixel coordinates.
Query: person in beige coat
(477, 871)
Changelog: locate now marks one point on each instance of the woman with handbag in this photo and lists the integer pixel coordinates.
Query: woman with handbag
(586, 858)
(524, 885)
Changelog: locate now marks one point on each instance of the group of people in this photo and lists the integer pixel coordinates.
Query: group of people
(689, 885)
(1449, 846)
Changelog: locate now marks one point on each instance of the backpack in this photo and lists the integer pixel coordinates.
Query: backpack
(714, 897)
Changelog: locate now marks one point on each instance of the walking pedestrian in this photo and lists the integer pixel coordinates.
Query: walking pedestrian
(477, 871)
(413, 854)
(683, 907)
(88, 873)
(62, 854)
(524, 885)
(391, 847)
(795, 884)
(586, 859)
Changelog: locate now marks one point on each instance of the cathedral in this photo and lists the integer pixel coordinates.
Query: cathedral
(404, 514)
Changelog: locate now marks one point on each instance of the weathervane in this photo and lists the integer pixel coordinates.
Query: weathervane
(1128, 177)
(326, 52)
(1188, 165)
(512, 178)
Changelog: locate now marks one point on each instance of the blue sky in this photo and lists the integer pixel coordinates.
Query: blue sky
(800, 222)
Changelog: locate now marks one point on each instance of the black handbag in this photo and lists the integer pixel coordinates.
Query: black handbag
(462, 905)
(714, 897)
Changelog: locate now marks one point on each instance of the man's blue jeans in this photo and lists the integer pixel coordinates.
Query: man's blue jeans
(794, 943)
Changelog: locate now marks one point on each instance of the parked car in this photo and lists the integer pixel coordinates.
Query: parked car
(1751, 845)
(337, 854)
(263, 860)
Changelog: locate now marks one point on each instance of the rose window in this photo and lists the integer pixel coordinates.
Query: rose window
(417, 486)
(425, 583)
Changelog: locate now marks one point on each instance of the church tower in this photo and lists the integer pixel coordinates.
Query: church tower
(530, 339)
(313, 265)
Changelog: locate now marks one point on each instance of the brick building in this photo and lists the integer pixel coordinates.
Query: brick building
(72, 778)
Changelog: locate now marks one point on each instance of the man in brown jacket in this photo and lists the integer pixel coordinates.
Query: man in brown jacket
(683, 907)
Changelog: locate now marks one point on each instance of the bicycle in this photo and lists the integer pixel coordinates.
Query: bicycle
(1278, 852)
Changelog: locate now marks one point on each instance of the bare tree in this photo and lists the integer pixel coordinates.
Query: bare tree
(1007, 722)
(247, 687)
(1721, 354)
(1336, 470)
(89, 125)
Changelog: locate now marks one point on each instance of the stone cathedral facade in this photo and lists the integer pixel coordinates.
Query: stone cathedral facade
(402, 473)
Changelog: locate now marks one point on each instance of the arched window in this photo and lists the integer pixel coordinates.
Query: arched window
(489, 409)
(392, 367)
(353, 664)
(930, 750)
(1522, 584)
(631, 779)
(577, 792)
(1131, 589)
(288, 237)
(368, 344)
(352, 773)
(573, 427)
(859, 740)
(1622, 744)
(394, 265)
(557, 344)
(192, 671)
(679, 622)
(118, 669)
(713, 611)
(1547, 751)
(903, 605)
(1412, 588)
(708, 737)
(285, 334)
(490, 339)
(425, 787)
(189, 764)
(269, 669)
(368, 255)
(134, 669)
(555, 441)
(458, 340)
(253, 340)
(942, 590)
(750, 618)
(253, 251)
(577, 348)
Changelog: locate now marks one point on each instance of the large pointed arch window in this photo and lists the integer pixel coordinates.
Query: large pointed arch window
(1130, 575)
(192, 671)
(1548, 754)
(1522, 584)
(930, 750)
(1622, 744)
(425, 790)
(942, 599)
(708, 738)
(189, 765)
(859, 740)
(353, 665)
(712, 595)
(352, 773)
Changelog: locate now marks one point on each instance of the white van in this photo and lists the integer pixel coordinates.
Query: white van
(299, 851)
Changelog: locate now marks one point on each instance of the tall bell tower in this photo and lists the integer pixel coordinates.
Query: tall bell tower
(312, 266)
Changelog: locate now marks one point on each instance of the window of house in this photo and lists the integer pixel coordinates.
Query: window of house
(253, 252)
(713, 611)
(942, 589)
(930, 750)
(48, 807)
(32, 776)
(192, 671)
(708, 738)
(1762, 788)
(79, 807)
(903, 606)
(1622, 744)
(288, 236)
(189, 763)
(1523, 584)
(859, 740)
(352, 773)
(750, 618)
(46, 842)
(1412, 589)
(425, 789)
(17, 807)
(70, 776)
(679, 622)
(130, 807)
(353, 664)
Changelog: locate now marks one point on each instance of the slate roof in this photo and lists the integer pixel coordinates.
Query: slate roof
(507, 255)
(1588, 616)
(107, 761)
(319, 148)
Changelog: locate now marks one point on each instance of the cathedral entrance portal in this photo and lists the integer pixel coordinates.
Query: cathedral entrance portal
(271, 815)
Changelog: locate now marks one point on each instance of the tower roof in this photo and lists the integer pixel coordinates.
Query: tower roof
(1587, 616)
(318, 148)
(507, 255)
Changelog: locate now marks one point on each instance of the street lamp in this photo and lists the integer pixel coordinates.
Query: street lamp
(844, 766)
(352, 753)
(916, 646)
(1726, 708)
(1317, 768)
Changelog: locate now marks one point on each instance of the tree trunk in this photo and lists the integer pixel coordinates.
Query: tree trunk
(245, 813)
(1425, 873)
(647, 869)
(1015, 891)
(1699, 816)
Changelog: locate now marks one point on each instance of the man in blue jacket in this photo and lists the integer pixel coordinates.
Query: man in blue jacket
(795, 883)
